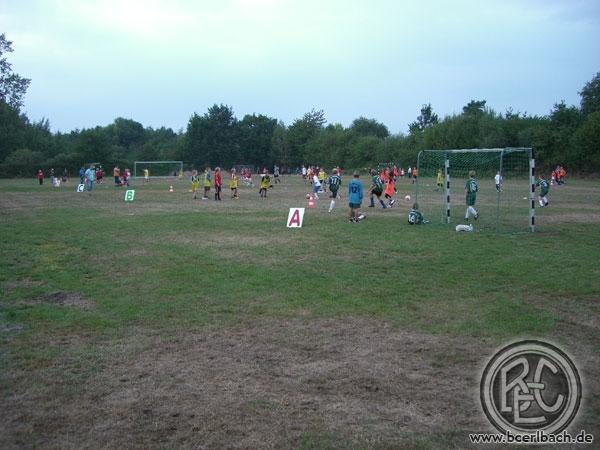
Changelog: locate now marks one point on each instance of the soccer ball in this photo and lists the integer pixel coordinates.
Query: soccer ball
(307, 196)
(407, 198)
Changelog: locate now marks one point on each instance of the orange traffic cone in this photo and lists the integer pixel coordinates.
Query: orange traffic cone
(171, 188)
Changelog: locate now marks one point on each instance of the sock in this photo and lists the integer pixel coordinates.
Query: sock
(332, 205)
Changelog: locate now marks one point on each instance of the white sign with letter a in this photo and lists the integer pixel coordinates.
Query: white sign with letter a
(295, 218)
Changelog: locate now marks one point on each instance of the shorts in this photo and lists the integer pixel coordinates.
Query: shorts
(333, 193)
(354, 205)
(316, 188)
(377, 192)
(471, 199)
(195, 186)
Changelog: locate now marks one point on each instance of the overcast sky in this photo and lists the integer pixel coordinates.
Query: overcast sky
(160, 61)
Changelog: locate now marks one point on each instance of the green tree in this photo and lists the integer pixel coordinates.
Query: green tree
(301, 132)
(474, 108)
(213, 138)
(256, 136)
(369, 127)
(585, 145)
(12, 86)
(590, 96)
(426, 119)
(23, 163)
(13, 130)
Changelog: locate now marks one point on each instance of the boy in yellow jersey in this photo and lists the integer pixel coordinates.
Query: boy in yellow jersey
(146, 175)
(233, 184)
(439, 180)
(207, 181)
(195, 183)
(265, 181)
(322, 176)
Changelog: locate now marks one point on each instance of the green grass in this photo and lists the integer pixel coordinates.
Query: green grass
(215, 265)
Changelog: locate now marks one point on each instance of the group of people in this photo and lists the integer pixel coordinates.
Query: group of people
(210, 179)
(53, 178)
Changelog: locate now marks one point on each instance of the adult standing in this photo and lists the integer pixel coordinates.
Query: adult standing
(40, 177)
(90, 176)
(117, 175)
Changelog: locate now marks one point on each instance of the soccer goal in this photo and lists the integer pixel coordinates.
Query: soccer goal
(505, 206)
(158, 169)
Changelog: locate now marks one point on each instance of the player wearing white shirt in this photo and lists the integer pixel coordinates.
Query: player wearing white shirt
(498, 181)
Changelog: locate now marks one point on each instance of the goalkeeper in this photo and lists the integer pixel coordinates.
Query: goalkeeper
(415, 217)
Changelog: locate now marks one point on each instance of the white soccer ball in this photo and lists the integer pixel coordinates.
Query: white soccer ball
(307, 196)
(407, 198)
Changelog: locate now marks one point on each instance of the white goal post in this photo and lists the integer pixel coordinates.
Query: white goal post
(509, 206)
(158, 169)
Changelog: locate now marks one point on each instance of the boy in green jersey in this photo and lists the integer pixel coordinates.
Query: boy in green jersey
(544, 188)
(471, 188)
(376, 188)
(334, 185)
(415, 217)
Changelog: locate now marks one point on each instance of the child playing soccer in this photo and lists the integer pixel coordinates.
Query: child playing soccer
(195, 183)
(207, 180)
(316, 186)
(233, 184)
(355, 196)
(390, 188)
(376, 189)
(440, 180)
(544, 188)
(415, 217)
(218, 184)
(265, 181)
(471, 188)
(334, 185)
(322, 176)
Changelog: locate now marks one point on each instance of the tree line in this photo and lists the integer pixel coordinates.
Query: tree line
(569, 135)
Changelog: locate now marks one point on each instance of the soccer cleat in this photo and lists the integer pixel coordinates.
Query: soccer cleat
(476, 216)
(371, 206)
(392, 202)
(361, 217)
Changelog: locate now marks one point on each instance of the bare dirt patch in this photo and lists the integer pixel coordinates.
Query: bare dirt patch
(277, 384)
(62, 298)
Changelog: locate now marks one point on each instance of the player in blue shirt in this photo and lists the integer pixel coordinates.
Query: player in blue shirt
(355, 197)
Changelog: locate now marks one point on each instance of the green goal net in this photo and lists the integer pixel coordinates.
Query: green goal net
(504, 200)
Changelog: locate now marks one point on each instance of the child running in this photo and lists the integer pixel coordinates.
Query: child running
(355, 196)
(390, 188)
(265, 181)
(376, 189)
(334, 185)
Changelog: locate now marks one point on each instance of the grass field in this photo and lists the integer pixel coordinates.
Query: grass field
(174, 323)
